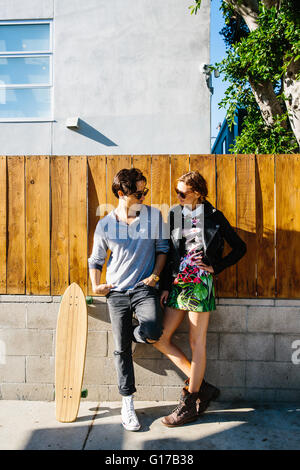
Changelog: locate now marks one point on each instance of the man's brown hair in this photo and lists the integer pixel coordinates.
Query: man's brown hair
(125, 180)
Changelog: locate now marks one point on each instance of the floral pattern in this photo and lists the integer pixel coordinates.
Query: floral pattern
(193, 288)
(189, 271)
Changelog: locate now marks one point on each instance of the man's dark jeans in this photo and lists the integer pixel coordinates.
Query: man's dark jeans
(143, 300)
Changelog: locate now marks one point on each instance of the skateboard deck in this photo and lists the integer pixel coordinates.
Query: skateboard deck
(71, 339)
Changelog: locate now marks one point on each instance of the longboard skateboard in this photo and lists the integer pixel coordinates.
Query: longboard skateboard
(71, 340)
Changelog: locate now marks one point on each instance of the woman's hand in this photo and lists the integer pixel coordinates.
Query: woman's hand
(102, 289)
(164, 297)
(198, 261)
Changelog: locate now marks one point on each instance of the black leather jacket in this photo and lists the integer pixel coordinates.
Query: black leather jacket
(216, 229)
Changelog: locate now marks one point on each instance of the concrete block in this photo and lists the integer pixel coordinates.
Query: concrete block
(247, 302)
(274, 319)
(96, 393)
(40, 369)
(272, 375)
(12, 315)
(26, 298)
(42, 316)
(13, 369)
(114, 395)
(142, 393)
(232, 346)
(212, 346)
(98, 317)
(259, 395)
(232, 394)
(26, 391)
(151, 372)
(171, 393)
(97, 344)
(225, 373)
(98, 301)
(287, 303)
(212, 372)
(229, 319)
(146, 351)
(289, 396)
(23, 342)
(284, 349)
(232, 373)
(149, 393)
(260, 347)
(99, 371)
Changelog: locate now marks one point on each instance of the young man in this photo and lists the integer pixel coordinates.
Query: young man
(135, 235)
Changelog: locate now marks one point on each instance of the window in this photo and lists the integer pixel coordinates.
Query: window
(26, 70)
(224, 146)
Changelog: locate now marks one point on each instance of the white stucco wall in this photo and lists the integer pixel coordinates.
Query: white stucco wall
(128, 69)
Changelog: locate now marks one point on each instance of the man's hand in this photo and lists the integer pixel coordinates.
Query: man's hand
(164, 297)
(102, 289)
(149, 281)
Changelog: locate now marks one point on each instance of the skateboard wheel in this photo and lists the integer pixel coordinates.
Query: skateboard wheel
(89, 300)
(84, 393)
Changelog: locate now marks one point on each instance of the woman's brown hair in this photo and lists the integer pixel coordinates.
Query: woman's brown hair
(196, 181)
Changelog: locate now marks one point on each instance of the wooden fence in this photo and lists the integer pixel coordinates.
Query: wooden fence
(48, 214)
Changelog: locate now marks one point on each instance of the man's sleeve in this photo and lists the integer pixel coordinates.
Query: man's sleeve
(162, 241)
(97, 258)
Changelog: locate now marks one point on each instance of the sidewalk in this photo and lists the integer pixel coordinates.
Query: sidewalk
(224, 426)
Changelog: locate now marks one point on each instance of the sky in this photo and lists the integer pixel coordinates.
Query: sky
(217, 53)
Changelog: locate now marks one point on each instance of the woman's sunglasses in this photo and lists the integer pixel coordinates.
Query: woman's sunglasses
(181, 194)
(140, 194)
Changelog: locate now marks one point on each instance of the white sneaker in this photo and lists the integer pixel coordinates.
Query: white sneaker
(129, 418)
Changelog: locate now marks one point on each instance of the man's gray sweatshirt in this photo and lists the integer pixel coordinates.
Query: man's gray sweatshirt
(133, 247)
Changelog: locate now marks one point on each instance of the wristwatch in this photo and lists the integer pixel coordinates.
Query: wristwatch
(155, 277)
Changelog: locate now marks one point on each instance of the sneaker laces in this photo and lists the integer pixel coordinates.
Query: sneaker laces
(130, 409)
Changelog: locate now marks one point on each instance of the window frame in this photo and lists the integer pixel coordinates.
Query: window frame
(29, 54)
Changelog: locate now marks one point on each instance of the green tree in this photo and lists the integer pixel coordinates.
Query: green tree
(262, 65)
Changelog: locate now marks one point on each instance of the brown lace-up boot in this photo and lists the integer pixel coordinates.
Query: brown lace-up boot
(185, 411)
(206, 394)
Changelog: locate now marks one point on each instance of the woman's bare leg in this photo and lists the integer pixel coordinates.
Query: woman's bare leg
(173, 317)
(198, 322)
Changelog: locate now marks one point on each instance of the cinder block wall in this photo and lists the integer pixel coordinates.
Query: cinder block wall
(249, 354)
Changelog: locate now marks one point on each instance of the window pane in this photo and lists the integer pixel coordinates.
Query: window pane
(24, 70)
(25, 103)
(24, 37)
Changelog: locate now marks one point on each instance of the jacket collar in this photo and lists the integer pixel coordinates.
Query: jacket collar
(209, 209)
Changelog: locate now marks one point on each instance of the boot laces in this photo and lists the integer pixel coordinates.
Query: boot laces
(179, 408)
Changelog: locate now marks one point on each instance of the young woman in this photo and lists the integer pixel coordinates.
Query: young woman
(197, 233)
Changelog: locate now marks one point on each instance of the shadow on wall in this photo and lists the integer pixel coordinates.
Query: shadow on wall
(91, 133)
(218, 429)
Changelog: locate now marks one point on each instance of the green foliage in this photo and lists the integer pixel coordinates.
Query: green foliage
(194, 8)
(262, 55)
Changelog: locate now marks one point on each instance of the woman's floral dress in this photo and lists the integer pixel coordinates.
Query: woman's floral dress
(193, 288)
